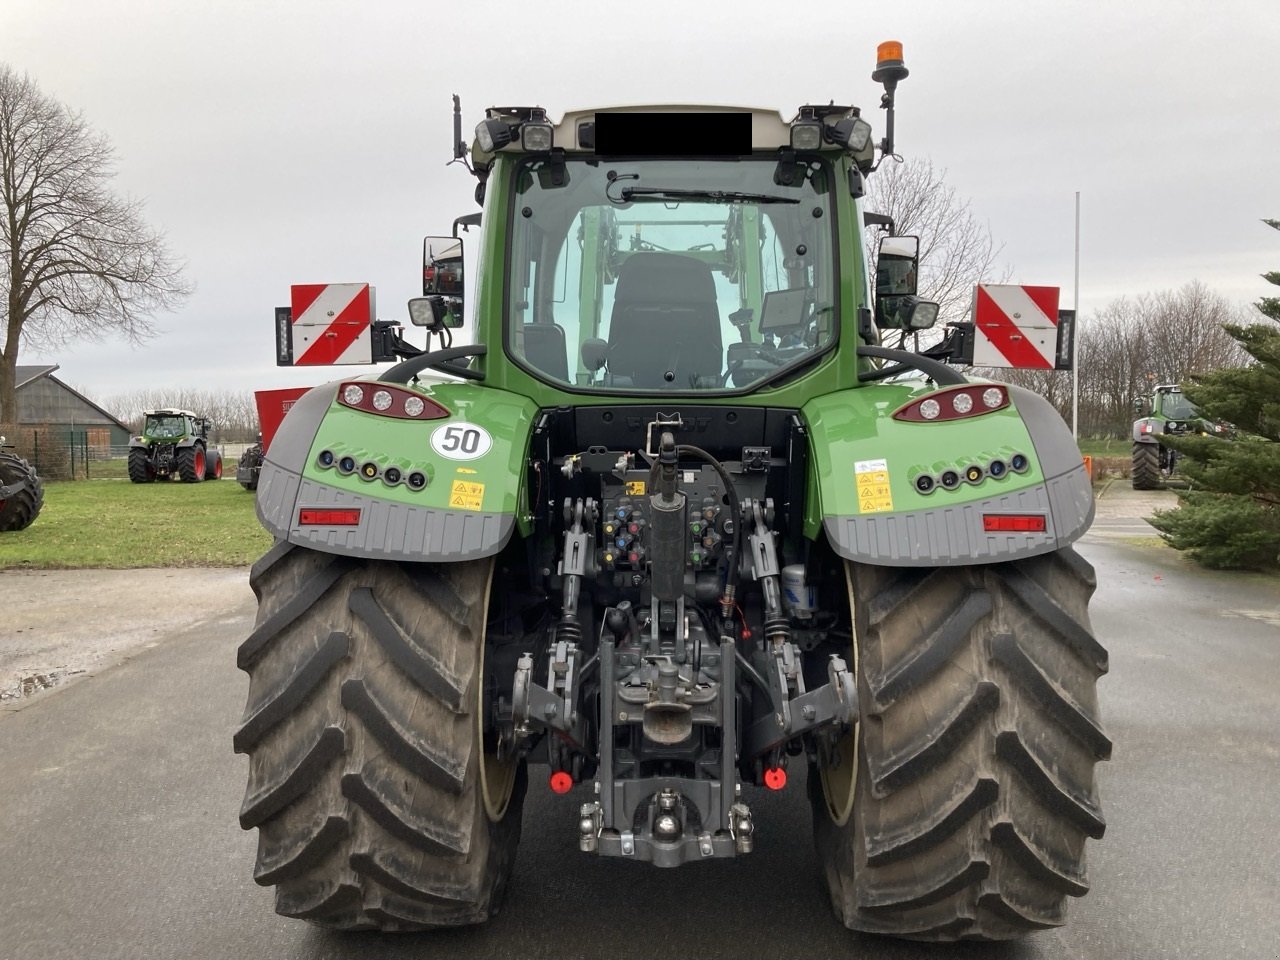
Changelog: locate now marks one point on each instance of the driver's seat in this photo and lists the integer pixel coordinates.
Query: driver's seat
(665, 328)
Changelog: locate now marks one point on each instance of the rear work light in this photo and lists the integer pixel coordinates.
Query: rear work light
(1013, 523)
(954, 403)
(388, 401)
(318, 517)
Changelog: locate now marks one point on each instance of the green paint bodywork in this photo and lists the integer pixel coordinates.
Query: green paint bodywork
(406, 444)
(857, 425)
(847, 421)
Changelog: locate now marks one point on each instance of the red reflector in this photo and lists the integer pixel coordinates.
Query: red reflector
(775, 778)
(561, 782)
(1013, 523)
(310, 517)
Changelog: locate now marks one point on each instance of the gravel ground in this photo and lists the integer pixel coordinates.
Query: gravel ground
(59, 625)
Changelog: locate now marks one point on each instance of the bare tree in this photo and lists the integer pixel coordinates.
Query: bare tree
(956, 251)
(234, 414)
(77, 260)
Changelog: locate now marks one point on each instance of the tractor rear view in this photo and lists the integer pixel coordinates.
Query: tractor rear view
(173, 443)
(683, 522)
(21, 490)
(1166, 413)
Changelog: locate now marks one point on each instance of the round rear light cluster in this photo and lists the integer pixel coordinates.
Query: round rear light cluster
(389, 401)
(954, 403)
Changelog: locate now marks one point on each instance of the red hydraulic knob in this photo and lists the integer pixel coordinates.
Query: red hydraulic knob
(775, 778)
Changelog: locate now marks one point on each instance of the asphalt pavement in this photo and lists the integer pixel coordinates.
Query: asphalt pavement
(119, 795)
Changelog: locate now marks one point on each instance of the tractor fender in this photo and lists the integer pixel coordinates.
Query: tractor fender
(1147, 436)
(136, 442)
(189, 441)
(866, 470)
(467, 509)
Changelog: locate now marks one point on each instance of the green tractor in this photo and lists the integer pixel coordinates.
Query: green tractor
(676, 530)
(173, 443)
(1167, 412)
(21, 491)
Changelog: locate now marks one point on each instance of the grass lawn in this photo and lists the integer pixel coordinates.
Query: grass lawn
(1109, 447)
(115, 523)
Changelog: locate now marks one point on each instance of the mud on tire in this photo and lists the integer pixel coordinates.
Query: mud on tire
(1145, 471)
(978, 738)
(365, 753)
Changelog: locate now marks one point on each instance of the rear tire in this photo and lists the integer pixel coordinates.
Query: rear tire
(971, 771)
(369, 773)
(20, 509)
(140, 468)
(249, 467)
(192, 463)
(1146, 467)
(213, 466)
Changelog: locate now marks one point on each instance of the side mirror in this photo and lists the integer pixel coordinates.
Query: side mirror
(897, 267)
(1140, 406)
(442, 267)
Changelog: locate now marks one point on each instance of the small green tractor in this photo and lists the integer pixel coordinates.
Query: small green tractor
(1166, 412)
(678, 529)
(21, 491)
(173, 443)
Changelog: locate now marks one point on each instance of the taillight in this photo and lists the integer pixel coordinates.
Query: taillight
(388, 401)
(954, 403)
(318, 517)
(1013, 522)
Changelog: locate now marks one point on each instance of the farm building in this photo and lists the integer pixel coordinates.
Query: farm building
(49, 409)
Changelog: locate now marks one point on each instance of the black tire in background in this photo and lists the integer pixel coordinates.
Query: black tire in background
(377, 800)
(248, 467)
(192, 463)
(21, 507)
(961, 806)
(213, 465)
(140, 469)
(1145, 472)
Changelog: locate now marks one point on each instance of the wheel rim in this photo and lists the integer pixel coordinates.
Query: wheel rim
(199, 462)
(217, 469)
(838, 763)
(497, 775)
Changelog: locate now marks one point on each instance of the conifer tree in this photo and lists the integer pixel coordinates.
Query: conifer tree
(1230, 516)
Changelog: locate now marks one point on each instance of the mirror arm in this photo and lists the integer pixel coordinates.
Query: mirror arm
(904, 359)
(437, 359)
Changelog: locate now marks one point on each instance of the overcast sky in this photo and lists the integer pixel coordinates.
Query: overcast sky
(301, 142)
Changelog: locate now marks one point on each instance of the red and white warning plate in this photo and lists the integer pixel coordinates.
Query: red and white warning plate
(1015, 326)
(331, 323)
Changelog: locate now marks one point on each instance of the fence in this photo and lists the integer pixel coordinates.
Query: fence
(60, 453)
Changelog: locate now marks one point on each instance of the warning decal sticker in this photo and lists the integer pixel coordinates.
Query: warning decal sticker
(465, 495)
(872, 477)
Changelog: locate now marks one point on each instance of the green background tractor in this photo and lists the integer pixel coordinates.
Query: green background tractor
(675, 526)
(1166, 412)
(173, 443)
(21, 490)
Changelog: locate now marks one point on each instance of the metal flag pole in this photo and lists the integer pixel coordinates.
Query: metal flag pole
(1075, 331)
